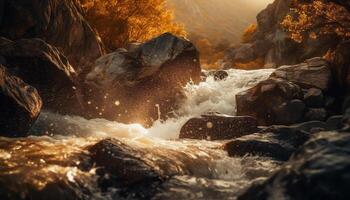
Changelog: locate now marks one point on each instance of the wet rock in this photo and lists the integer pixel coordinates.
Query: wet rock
(220, 75)
(335, 122)
(275, 142)
(266, 100)
(313, 73)
(312, 125)
(47, 69)
(120, 167)
(318, 114)
(20, 105)
(290, 112)
(143, 85)
(341, 65)
(318, 170)
(314, 98)
(218, 127)
(58, 22)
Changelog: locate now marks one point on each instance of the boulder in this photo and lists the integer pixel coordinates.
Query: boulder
(318, 170)
(290, 112)
(318, 114)
(268, 100)
(341, 65)
(20, 105)
(58, 22)
(218, 127)
(143, 85)
(313, 73)
(47, 69)
(119, 167)
(314, 98)
(220, 75)
(275, 142)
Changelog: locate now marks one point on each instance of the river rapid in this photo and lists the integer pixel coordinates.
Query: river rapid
(197, 169)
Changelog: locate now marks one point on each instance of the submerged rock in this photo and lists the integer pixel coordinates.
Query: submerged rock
(47, 69)
(20, 105)
(218, 127)
(318, 170)
(120, 167)
(275, 142)
(145, 84)
(58, 22)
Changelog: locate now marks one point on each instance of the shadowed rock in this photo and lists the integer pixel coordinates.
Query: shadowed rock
(119, 167)
(218, 127)
(58, 22)
(20, 105)
(318, 170)
(275, 142)
(47, 69)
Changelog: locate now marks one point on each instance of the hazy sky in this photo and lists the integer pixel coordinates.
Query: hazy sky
(217, 19)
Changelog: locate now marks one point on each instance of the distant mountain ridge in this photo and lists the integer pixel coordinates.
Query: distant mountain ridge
(217, 20)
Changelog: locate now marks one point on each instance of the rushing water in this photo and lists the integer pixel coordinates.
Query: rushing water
(199, 169)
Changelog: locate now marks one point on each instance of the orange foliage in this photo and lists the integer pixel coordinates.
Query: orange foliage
(310, 20)
(120, 22)
(255, 64)
(210, 54)
(249, 33)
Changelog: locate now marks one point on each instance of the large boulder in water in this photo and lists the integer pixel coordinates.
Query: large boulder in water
(313, 73)
(277, 142)
(318, 170)
(20, 105)
(120, 167)
(273, 101)
(144, 84)
(218, 127)
(47, 69)
(58, 22)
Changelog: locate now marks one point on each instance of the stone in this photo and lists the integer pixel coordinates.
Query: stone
(318, 170)
(147, 83)
(263, 100)
(119, 167)
(60, 23)
(48, 70)
(220, 75)
(20, 105)
(275, 142)
(218, 127)
(314, 98)
(318, 114)
(290, 112)
(313, 73)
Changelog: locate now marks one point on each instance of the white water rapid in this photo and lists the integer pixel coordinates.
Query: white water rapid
(198, 169)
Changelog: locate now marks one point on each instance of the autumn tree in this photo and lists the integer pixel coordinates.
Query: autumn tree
(311, 19)
(120, 22)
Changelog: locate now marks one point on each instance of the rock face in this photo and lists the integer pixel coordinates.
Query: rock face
(120, 168)
(45, 68)
(272, 102)
(144, 84)
(271, 43)
(318, 170)
(218, 127)
(341, 65)
(289, 93)
(20, 105)
(276, 142)
(313, 73)
(58, 22)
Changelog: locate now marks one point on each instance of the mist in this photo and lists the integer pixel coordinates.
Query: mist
(219, 21)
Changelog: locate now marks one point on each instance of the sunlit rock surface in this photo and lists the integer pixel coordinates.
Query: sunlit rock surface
(314, 72)
(47, 69)
(20, 105)
(318, 170)
(142, 85)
